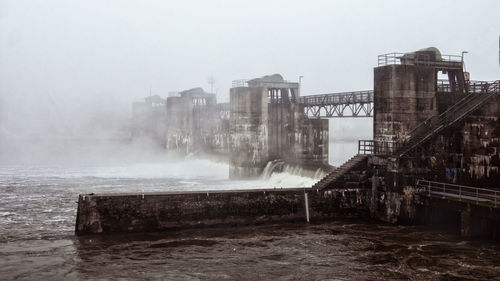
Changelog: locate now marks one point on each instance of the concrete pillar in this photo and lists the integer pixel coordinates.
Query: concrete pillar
(466, 223)
(248, 130)
(404, 96)
(266, 125)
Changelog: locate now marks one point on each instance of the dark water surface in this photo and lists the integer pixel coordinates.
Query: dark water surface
(37, 215)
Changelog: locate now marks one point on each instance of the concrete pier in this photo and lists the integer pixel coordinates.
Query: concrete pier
(267, 123)
(195, 124)
(110, 213)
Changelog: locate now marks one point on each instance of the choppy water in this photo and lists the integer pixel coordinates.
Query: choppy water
(37, 215)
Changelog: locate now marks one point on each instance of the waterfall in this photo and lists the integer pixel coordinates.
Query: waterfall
(279, 167)
(272, 167)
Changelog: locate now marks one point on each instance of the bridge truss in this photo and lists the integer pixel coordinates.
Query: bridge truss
(348, 104)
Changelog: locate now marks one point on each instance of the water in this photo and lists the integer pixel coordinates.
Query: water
(37, 216)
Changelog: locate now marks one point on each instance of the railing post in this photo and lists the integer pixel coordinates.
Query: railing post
(495, 195)
(460, 193)
(429, 188)
(477, 196)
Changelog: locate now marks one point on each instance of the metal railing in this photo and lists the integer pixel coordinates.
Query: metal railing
(449, 117)
(338, 98)
(390, 58)
(377, 147)
(417, 59)
(239, 83)
(460, 192)
(244, 83)
(444, 86)
(366, 147)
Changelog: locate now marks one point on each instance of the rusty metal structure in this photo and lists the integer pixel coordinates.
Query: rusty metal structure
(336, 105)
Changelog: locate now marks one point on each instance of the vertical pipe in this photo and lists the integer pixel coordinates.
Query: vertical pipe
(307, 206)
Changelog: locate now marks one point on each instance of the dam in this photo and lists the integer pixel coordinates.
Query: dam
(434, 157)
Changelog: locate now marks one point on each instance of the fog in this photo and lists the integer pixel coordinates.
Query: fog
(69, 70)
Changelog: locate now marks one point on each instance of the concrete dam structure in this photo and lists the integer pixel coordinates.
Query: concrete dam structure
(268, 123)
(263, 122)
(434, 158)
(196, 123)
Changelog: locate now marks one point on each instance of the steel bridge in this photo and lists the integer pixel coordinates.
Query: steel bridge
(347, 104)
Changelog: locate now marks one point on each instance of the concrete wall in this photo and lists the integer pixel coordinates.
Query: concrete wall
(195, 125)
(468, 153)
(179, 120)
(263, 130)
(108, 213)
(311, 141)
(152, 212)
(296, 139)
(404, 97)
(248, 130)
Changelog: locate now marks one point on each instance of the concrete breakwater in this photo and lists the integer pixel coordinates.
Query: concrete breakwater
(152, 212)
(112, 213)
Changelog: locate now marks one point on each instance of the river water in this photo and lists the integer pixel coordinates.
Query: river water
(37, 241)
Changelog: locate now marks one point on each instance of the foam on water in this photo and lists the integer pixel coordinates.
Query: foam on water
(179, 168)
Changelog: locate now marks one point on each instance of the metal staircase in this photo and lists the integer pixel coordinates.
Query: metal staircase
(451, 116)
(340, 171)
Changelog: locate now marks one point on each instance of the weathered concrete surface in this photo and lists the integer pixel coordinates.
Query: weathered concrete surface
(108, 213)
(249, 143)
(469, 153)
(469, 220)
(267, 123)
(404, 96)
(195, 125)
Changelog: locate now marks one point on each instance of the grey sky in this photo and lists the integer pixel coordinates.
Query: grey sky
(81, 57)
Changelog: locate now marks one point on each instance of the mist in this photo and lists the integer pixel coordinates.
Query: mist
(70, 70)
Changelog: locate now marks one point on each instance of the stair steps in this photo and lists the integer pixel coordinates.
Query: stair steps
(340, 171)
(451, 116)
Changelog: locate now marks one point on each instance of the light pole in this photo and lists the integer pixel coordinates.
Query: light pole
(300, 81)
(463, 53)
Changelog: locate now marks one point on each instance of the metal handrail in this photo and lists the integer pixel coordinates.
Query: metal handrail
(244, 83)
(474, 87)
(377, 147)
(460, 192)
(338, 98)
(395, 58)
(239, 83)
(491, 87)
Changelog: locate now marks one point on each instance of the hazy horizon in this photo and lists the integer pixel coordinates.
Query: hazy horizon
(71, 69)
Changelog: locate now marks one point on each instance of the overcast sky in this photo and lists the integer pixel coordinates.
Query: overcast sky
(67, 62)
